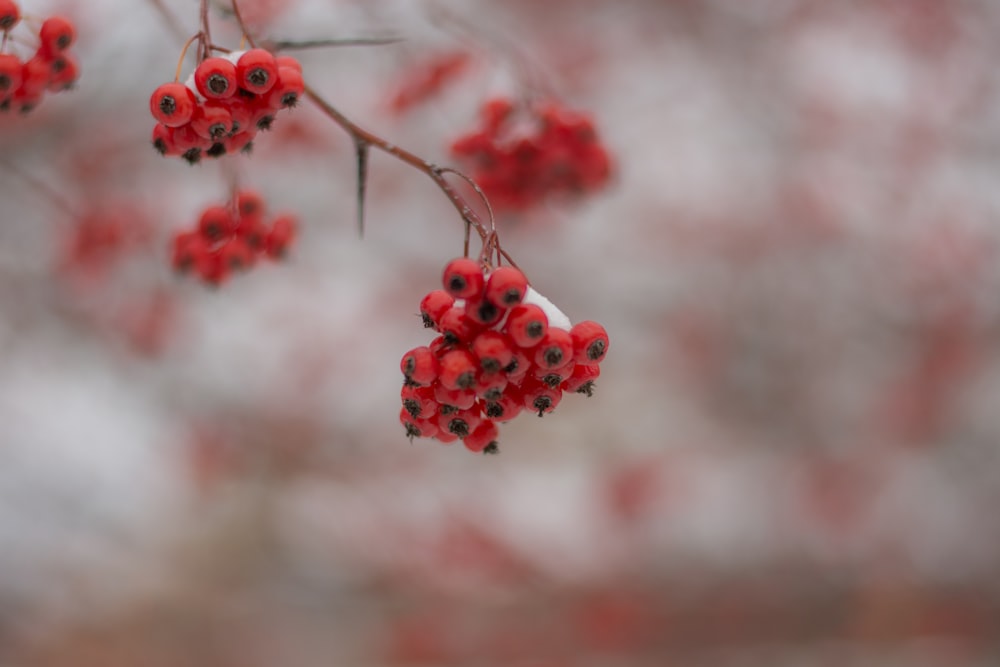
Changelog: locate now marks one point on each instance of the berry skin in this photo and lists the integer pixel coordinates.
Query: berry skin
(582, 379)
(257, 71)
(56, 34)
(288, 62)
(419, 401)
(526, 325)
(10, 14)
(173, 104)
(11, 73)
(540, 398)
(553, 377)
(493, 350)
(216, 223)
(483, 436)
(280, 237)
(420, 366)
(35, 75)
(484, 312)
(417, 427)
(506, 286)
(188, 248)
(463, 278)
(461, 422)
(249, 204)
(509, 406)
(590, 342)
(456, 326)
(458, 370)
(555, 349)
(212, 120)
(236, 255)
(433, 306)
(457, 399)
(163, 140)
(63, 72)
(287, 90)
(491, 387)
(519, 367)
(215, 78)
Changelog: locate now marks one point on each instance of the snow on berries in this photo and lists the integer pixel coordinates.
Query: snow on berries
(522, 154)
(502, 349)
(52, 68)
(230, 238)
(224, 104)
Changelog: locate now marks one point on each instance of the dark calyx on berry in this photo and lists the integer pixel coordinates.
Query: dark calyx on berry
(456, 284)
(168, 105)
(596, 350)
(487, 312)
(161, 146)
(586, 388)
(494, 410)
(491, 448)
(412, 432)
(459, 427)
(216, 150)
(490, 365)
(466, 380)
(535, 329)
(258, 77)
(553, 357)
(218, 84)
(542, 403)
(265, 122)
(412, 407)
(511, 297)
(192, 155)
(290, 100)
(4, 82)
(552, 380)
(492, 394)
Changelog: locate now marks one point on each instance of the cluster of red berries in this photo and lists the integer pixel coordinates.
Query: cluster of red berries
(51, 69)
(224, 104)
(231, 237)
(523, 154)
(503, 348)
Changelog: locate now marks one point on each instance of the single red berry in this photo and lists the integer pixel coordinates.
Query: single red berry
(216, 223)
(249, 204)
(495, 112)
(287, 90)
(238, 142)
(163, 140)
(457, 327)
(519, 367)
(257, 71)
(212, 120)
(506, 286)
(254, 232)
(458, 369)
(445, 438)
(463, 278)
(280, 237)
(490, 387)
(540, 398)
(483, 436)
(11, 73)
(554, 350)
(417, 427)
(10, 14)
(419, 401)
(553, 377)
(582, 379)
(507, 407)
(211, 269)
(526, 324)
(173, 104)
(461, 422)
(433, 306)
(35, 75)
(63, 72)
(484, 311)
(453, 399)
(188, 247)
(590, 342)
(494, 351)
(56, 34)
(420, 366)
(236, 254)
(215, 78)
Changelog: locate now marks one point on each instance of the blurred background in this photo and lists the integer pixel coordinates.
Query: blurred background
(792, 456)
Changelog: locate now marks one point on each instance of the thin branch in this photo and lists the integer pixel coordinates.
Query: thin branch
(361, 149)
(290, 45)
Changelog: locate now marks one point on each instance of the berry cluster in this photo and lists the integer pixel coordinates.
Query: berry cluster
(224, 104)
(231, 237)
(523, 154)
(51, 69)
(503, 348)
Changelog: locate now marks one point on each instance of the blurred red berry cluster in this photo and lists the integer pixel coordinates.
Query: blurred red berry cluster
(224, 104)
(231, 238)
(52, 67)
(427, 78)
(522, 154)
(503, 348)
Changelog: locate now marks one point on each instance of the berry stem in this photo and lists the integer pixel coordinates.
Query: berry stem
(206, 33)
(180, 61)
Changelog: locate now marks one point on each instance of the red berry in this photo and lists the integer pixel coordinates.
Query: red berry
(280, 237)
(163, 140)
(555, 349)
(484, 311)
(506, 286)
(507, 407)
(249, 204)
(456, 326)
(519, 367)
(463, 278)
(215, 78)
(11, 73)
(419, 401)
(582, 379)
(188, 248)
(491, 387)
(420, 366)
(216, 223)
(287, 90)
(290, 62)
(456, 399)
(458, 370)
(590, 342)
(212, 120)
(10, 14)
(433, 306)
(56, 34)
(257, 71)
(35, 75)
(540, 398)
(526, 324)
(63, 72)
(173, 104)
(483, 436)
(494, 351)
(553, 377)
(461, 422)
(417, 427)
(236, 254)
